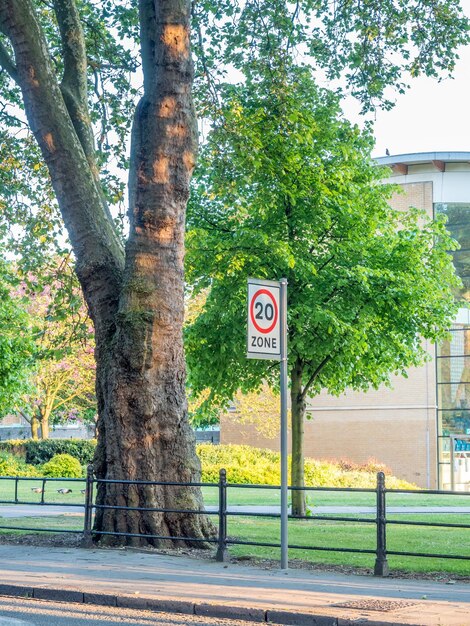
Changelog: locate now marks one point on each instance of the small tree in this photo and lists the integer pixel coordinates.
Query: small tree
(286, 187)
(60, 390)
(62, 378)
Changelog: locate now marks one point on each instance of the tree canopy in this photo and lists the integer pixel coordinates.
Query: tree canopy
(286, 188)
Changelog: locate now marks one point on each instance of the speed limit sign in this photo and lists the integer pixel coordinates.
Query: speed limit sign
(267, 339)
(264, 327)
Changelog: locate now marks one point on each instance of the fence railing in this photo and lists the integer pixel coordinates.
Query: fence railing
(223, 540)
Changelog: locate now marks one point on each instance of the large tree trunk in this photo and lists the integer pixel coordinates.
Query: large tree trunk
(135, 299)
(297, 462)
(143, 427)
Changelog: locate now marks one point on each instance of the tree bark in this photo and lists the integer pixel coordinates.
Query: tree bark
(44, 420)
(135, 298)
(297, 461)
(34, 423)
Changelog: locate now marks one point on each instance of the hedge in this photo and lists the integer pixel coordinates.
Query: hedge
(244, 464)
(247, 465)
(37, 452)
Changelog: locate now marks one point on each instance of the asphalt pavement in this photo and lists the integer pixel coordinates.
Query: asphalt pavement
(41, 510)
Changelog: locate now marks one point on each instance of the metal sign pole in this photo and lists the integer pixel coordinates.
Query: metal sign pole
(284, 447)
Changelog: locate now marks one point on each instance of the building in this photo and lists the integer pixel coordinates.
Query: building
(421, 426)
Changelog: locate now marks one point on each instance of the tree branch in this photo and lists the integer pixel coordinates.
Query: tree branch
(325, 263)
(65, 400)
(73, 48)
(317, 371)
(74, 86)
(96, 245)
(6, 62)
(147, 41)
(24, 416)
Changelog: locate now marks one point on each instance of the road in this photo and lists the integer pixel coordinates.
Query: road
(23, 612)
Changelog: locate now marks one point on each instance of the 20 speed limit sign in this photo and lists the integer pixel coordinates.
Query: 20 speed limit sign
(267, 339)
(264, 319)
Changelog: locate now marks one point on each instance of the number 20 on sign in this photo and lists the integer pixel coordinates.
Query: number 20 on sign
(264, 341)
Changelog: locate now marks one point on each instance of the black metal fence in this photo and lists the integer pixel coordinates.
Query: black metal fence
(222, 512)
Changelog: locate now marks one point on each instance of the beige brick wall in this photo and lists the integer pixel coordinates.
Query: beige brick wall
(396, 426)
(417, 195)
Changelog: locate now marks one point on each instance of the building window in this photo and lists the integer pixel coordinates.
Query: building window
(458, 224)
(453, 395)
(453, 356)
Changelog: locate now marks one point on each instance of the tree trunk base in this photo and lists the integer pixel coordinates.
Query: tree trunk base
(299, 508)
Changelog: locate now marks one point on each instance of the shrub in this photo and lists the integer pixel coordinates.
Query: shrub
(246, 465)
(63, 466)
(41, 451)
(371, 465)
(14, 446)
(12, 466)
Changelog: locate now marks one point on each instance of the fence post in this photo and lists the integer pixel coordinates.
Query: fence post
(87, 540)
(381, 564)
(222, 553)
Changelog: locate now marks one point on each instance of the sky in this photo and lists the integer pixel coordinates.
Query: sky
(431, 116)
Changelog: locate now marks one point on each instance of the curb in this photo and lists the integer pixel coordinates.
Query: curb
(287, 618)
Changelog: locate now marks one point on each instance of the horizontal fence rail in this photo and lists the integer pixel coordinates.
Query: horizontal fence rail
(223, 540)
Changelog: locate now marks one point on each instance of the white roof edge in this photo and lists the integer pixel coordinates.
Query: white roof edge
(424, 157)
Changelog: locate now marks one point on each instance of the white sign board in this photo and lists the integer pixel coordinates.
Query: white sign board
(264, 324)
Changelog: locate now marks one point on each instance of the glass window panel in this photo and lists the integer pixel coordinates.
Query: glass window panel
(462, 263)
(458, 224)
(444, 476)
(444, 449)
(455, 369)
(458, 343)
(454, 422)
(458, 220)
(453, 396)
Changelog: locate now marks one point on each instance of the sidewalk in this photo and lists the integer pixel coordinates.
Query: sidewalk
(189, 585)
(40, 510)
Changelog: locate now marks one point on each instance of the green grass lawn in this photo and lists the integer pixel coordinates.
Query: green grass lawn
(238, 496)
(359, 535)
(56, 524)
(26, 493)
(319, 533)
(235, 495)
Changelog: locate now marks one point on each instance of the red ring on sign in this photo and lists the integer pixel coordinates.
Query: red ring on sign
(261, 292)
